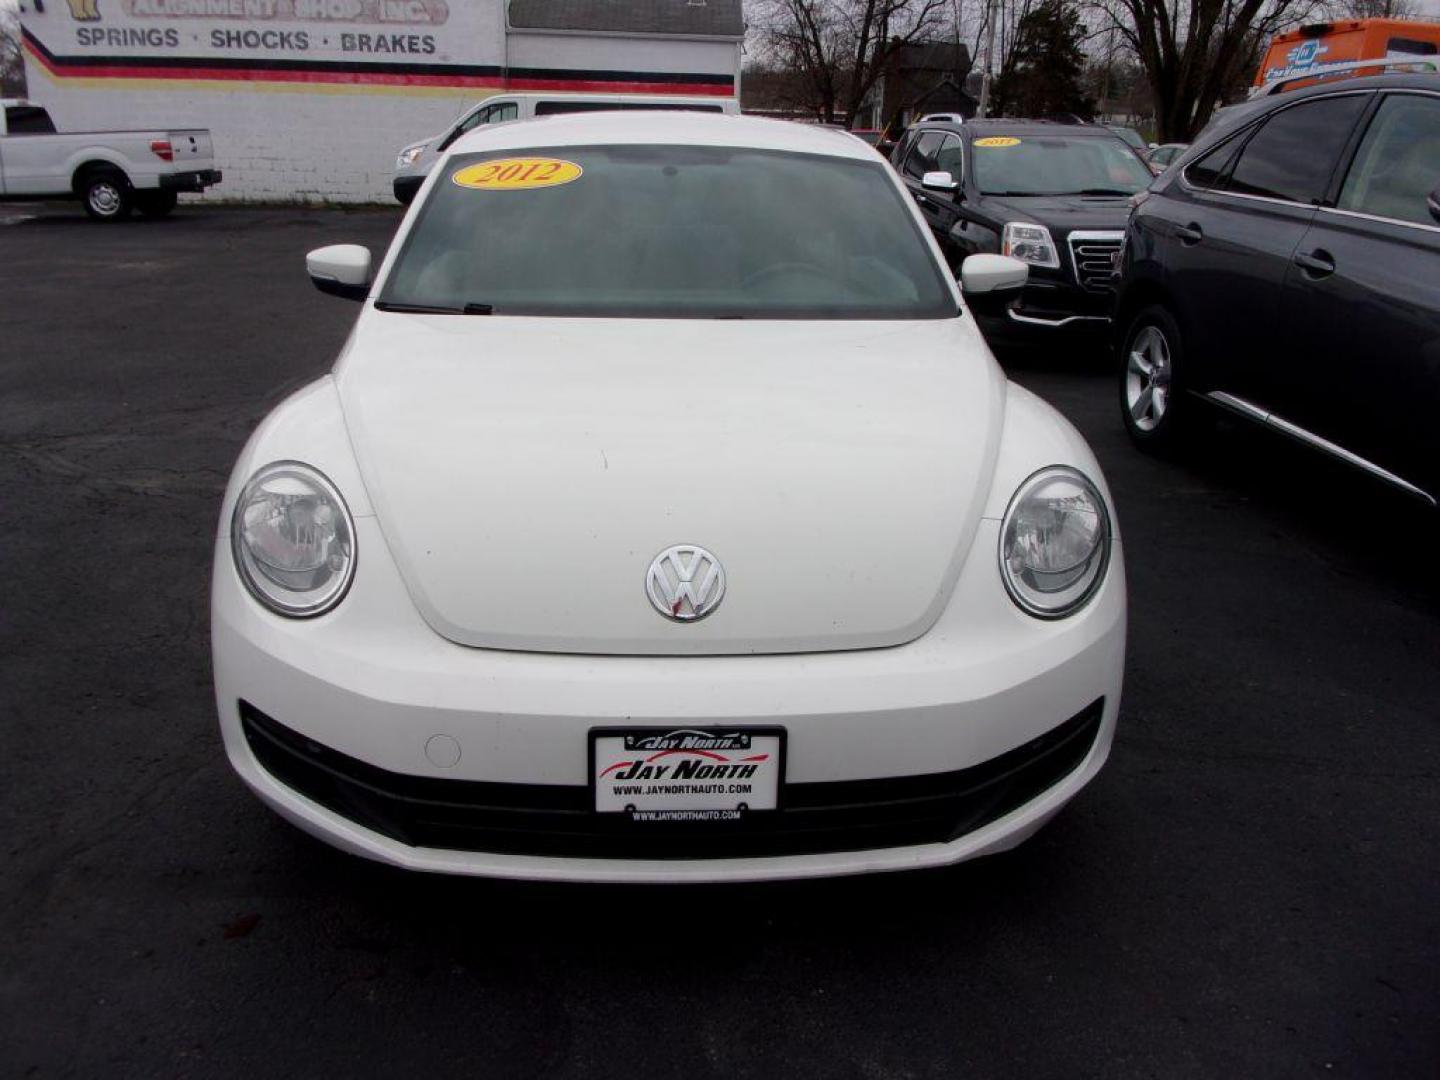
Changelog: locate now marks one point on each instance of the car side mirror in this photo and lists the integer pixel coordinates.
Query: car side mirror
(984, 274)
(1433, 202)
(990, 282)
(939, 181)
(340, 270)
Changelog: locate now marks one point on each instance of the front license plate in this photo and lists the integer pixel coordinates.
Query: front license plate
(686, 774)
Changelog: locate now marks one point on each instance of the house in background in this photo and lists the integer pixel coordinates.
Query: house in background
(925, 77)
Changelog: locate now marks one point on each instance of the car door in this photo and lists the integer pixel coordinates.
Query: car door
(939, 208)
(1226, 239)
(1363, 300)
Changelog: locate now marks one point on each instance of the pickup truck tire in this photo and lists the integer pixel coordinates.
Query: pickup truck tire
(155, 204)
(107, 194)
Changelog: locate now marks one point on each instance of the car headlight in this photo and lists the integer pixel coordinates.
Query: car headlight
(293, 540)
(1030, 244)
(410, 155)
(1054, 543)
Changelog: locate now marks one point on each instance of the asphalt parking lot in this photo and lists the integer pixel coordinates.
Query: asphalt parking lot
(1249, 888)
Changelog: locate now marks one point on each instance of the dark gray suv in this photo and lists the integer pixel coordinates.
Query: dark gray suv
(1287, 268)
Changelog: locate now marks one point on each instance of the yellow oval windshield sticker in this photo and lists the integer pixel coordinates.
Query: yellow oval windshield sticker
(517, 174)
(998, 140)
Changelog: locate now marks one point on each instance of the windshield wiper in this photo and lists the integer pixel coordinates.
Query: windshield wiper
(416, 309)
(1101, 191)
(433, 309)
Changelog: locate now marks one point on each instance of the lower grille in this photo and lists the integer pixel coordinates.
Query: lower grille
(549, 819)
(1096, 256)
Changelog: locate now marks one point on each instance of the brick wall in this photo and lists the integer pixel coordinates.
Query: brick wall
(290, 145)
(287, 126)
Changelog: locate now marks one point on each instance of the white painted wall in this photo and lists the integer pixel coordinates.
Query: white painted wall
(278, 138)
(601, 52)
(304, 145)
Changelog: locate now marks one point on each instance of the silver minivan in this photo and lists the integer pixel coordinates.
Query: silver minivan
(416, 160)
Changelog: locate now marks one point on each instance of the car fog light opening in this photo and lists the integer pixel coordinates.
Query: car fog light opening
(1054, 543)
(293, 540)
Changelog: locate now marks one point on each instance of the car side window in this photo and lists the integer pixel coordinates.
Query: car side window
(921, 158)
(28, 120)
(1398, 163)
(474, 120)
(469, 123)
(901, 148)
(1293, 155)
(1411, 47)
(951, 157)
(1207, 171)
(500, 114)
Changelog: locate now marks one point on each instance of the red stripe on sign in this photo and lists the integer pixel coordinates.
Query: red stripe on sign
(701, 753)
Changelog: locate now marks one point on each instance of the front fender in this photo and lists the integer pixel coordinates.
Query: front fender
(1035, 436)
(308, 427)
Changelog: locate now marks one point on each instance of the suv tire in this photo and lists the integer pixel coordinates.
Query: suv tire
(1153, 403)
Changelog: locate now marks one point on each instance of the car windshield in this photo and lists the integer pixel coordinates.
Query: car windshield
(667, 232)
(1057, 165)
(1131, 136)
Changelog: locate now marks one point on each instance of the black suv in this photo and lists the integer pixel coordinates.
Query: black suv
(1287, 268)
(1055, 196)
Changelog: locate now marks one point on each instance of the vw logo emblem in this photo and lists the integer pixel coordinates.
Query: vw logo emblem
(685, 583)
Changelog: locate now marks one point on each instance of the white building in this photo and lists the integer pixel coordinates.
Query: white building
(311, 99)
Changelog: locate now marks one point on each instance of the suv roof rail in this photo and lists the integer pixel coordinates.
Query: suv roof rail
(1348, 67)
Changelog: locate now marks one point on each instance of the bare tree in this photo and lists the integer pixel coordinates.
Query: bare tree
(1194, 52)
(840, 48)
(12, 64)
(1372, 9)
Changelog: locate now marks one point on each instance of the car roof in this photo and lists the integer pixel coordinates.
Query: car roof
(1001, 126)
(1234, 116)
(667, 129)
(1038, 127)
(574, 95)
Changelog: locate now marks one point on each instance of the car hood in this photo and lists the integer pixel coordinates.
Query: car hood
(1063, 213)
(525, 473)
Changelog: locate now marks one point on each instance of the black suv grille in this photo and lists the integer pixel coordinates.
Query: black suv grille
(1095, 255)
(548, 819)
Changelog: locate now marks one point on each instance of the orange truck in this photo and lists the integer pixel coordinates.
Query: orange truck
(1315, 48)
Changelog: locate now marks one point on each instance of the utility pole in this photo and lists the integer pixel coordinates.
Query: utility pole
(956, 8)
(989, 72)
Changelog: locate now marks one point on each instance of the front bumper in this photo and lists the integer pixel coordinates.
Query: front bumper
(407, 187)
(961, 743)
(1047, 305)
(198, 180)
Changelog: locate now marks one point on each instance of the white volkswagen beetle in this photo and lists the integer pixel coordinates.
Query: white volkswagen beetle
(666, 518)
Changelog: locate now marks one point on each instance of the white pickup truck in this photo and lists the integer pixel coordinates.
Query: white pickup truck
(111, 172)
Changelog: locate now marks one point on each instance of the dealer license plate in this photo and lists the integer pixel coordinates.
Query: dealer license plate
(686, 774)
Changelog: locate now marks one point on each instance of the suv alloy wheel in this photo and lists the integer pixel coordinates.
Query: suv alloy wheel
(1152, 400)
